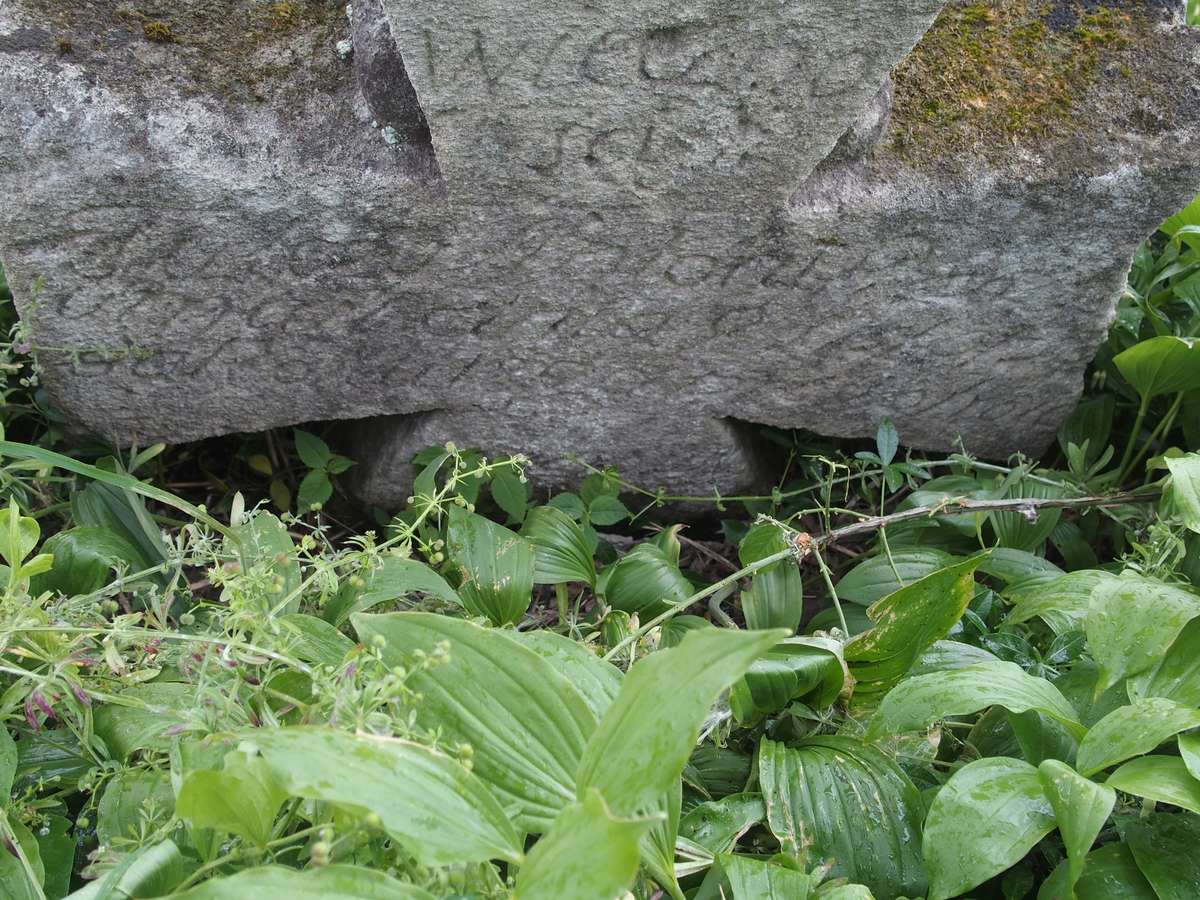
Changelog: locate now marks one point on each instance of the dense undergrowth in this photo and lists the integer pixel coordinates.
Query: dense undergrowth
(894, 676)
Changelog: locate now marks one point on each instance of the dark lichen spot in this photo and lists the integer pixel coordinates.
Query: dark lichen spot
(63, 46)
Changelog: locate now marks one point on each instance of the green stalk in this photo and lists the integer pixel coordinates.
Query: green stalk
(1160, 430)
(1127, 458)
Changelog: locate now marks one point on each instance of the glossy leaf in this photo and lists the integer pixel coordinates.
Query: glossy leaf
(142, 716)
(747, 878)
(1012, 566)
(1176, 676)
(944, 656)
(122, 512)
(1081, 807)
(14, 881)
(1109, 873)
(84, 560)
(717, 824)
(526, 724)
(875, 578)
(509, 493)
(151, 871)
(392, 579)
(560, 549)
(819, 796)
(1061, 602)
(1185, 488)
(918, 702)
(1161, 365)
(314, 640)
(326, 883)
(775, 598)
(8, 764)
(586, 853)
(438, 810)
(56, 846)
(984, 819)
(1131, 731)
(597, 681)
(808, 669)
(640, 726)
(644, 581)
(1165, 779)
(241, 799)
(1189, 752)
(131, 797)
(1165, 849)
(495, 566)
(907, 623)
(264, 543)
(1132, 621)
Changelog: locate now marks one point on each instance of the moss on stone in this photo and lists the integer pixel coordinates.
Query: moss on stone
(991, 77)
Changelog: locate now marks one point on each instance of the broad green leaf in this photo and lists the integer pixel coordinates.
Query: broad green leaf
(721, 770)
(1161, 365)
(747, 878)
(944, 656)
(984, 819)
(717, 824)
(1011, 565)
(560, 550)
(242, 798)
(658, 844)
(762, 540)
(644, 581)
(393, 578)
(1185, 488)
(1109, 873)
(56, 846)
(442, 813)
(314, 491)
(1013, 528)
(54, 753)
(1061, 602)
(875, 578)
(526, 724)
(314, 640)
(8, 764)
(775, 599)
(606, 509)
(132, 797)
(14, 881)
(509, 493)
(1081, 807)
(140, 718)
(1165, 779)
(887, 440)
(597, 681)
(1165, 849)
(642, 725)
(122, 511)
(917, 702)
(496, 567)
(152, 871)
(808, 669)
(835, 798)
(1189, 752)
(264, 543)
(907, 623)
(1176, 676)
(84, 559)
(326, 883)
(1131, 731)
(1041, 738)
(586, 853)
(313, 451)
(1132, 621)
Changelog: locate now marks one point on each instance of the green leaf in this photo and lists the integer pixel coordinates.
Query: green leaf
(586, 853)
(1177, 675)
(326, 883)
(639, 726)
(606, 509)
(775, 598)
(644, 581)
(1131, 731)
(84, 559)
(907, 622)
(1109, 873)
(1013, 566)
(746, 878)
(1081, 807)
(1189, 752)
(717, 824)
(152, 871)
(264, 544)
(56, 847)
(122, 512)
(313, 451)
(142, 724)
(945, 656)
(1132, 621)
(441, 813)
(241, 799)
(1161, 365)
(597, 681)
(887, 440)
(560, 550)
(496, 567)
(509, 493)
(875, 578)
(984, 819)
(570, 504)
(132, 797)
(762, 540)
(1164, 779)
(18, 535)
(1061, 602)
(807, 669)
(8, 764)
(917, 702)
(1185, 488)
(314, 640)
(835, 798)
(1164, 847)
(314, 491)
(14, 882)
(392, 579)
(526, 724)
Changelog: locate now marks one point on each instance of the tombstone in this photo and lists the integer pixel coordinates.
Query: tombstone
(628, 231)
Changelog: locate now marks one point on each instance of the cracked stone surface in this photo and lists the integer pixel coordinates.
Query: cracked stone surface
(614, 229)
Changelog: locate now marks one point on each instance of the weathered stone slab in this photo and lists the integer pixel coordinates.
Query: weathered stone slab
(603, 228)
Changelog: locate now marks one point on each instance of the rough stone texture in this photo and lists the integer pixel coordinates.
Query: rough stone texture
(601, 228)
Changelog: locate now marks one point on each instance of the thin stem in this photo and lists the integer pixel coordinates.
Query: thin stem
(1162, 428)
(1127, 457)
(837, 604)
